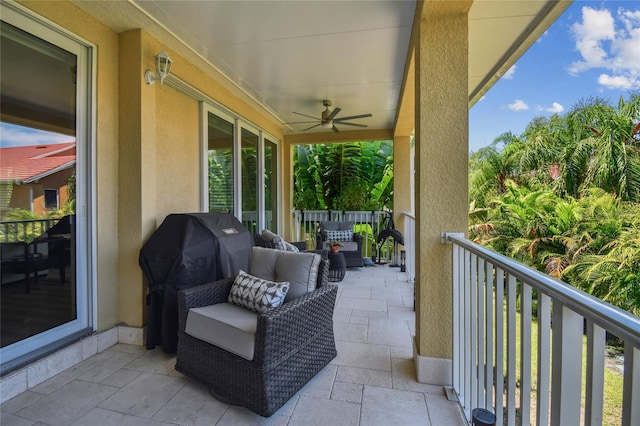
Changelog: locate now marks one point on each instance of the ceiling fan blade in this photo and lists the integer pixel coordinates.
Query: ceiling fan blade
(305, 115)
(309, 128)
(302, 122)
(335, 112)
(344, 123)
(353, 117)
(335, 129)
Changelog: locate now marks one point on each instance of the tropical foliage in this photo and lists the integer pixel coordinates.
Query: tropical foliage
(564, 197)
(347, 176)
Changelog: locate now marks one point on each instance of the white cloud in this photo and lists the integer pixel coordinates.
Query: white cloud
(610, 44)
(12, 135)
(617, 82)
(510, 72)
(518, 105)
(555, 108)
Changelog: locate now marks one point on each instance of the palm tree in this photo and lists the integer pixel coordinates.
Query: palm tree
(614, 274)
(491, 168)
(605, 150)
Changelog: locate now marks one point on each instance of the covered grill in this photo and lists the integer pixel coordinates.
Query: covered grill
(185, 251)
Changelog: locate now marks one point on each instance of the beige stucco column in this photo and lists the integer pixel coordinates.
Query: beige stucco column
(286, 188)
(441, 176)
(136, 169)
(402, 187)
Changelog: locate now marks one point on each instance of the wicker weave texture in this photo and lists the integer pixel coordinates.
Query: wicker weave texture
(293, 343)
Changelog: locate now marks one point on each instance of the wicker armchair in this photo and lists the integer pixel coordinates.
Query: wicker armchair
(352, 250)
(292, 344)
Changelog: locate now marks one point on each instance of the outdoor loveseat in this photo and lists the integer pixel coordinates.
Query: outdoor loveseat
(260, 360)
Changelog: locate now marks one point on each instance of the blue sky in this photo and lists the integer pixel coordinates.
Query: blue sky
(592, 50)
(12, 135)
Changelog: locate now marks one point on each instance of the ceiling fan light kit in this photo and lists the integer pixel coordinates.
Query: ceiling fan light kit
(328, 118)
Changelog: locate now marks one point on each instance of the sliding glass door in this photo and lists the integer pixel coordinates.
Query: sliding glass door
(44, 145)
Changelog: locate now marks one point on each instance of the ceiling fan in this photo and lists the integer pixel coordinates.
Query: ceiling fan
(328, 119)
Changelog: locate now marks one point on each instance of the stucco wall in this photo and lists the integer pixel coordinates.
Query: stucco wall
(177, 153)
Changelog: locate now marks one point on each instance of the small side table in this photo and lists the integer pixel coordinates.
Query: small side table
(337, 266)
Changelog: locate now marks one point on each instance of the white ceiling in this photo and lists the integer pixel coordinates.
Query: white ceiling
(288, 56)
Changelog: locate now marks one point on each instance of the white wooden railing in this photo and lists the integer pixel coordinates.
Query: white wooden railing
(24, 230)
(410, 245)
(493, 354)
(368, 223)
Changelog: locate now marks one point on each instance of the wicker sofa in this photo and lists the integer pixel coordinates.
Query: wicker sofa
(293, 343)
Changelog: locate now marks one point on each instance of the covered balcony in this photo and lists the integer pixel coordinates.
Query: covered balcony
(147, 139)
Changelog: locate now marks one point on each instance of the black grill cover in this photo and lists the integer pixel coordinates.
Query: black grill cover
(185, 251)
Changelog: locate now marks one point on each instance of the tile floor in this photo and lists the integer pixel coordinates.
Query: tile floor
(370, 382)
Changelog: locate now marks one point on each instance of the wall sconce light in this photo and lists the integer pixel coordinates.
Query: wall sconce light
(163, 68)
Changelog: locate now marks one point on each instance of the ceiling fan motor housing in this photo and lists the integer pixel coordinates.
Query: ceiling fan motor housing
(328, 118)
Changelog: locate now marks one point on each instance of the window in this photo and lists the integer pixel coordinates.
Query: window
(51, 199)
(240, 170)
(219, 163)
(270, 184)
(249, 179)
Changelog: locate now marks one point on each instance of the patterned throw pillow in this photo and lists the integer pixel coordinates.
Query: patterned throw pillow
(257, 294)
(276, 241)
(339, 235)
(290, 247)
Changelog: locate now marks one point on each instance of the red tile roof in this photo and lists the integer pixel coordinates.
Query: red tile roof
(25, 164)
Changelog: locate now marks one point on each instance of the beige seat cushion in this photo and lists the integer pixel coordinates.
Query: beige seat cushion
(227, 326)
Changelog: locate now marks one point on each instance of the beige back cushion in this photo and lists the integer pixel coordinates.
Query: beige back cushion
(299, 269)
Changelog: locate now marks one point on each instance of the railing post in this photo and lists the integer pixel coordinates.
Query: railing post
(499, 348)
(595, 374)
(511, 350)
(631, 396)
(480, 320)
(490, 280)
(544, 351)
(525, 353)
(456, 317)
(473, 325)
(466, 339)
(566, 366)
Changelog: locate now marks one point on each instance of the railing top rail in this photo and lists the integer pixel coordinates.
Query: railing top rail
(29, 220)
(408, 214)
(618, 321)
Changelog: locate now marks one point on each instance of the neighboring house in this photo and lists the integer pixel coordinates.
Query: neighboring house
(35, 177)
